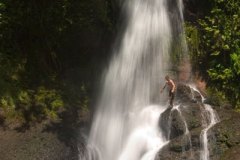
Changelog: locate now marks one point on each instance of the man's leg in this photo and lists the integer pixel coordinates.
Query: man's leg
(171, 99)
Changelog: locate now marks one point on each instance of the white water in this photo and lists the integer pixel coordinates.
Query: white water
(125, 123)
(194, 89)
(210, 118)
(145, 139)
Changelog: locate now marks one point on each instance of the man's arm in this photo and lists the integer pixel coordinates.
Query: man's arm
(163, 87)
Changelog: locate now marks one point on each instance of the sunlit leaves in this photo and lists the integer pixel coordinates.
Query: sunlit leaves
(219, 34)
(235, 57)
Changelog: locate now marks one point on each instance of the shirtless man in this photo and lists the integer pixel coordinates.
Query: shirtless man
(172, 88)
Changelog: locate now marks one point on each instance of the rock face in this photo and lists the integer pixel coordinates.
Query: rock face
(223, 138)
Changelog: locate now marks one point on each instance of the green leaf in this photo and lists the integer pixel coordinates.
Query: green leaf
(226, 47)
(215, 53)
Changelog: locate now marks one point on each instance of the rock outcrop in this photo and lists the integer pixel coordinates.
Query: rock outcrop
(223, 138)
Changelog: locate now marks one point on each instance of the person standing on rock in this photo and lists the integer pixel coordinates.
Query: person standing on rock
(172, 87)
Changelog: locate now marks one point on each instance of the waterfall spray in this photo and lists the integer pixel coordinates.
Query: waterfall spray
(132, 81)
(125, 125)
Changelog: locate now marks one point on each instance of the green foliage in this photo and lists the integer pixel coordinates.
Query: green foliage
(41, 42)
(219, 49)
(32, 105)
(48, 101)
(8, 106)
(193, 41)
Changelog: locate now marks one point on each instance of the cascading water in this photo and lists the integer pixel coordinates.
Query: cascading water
(125, 125)
(120, 129)
(210, 118)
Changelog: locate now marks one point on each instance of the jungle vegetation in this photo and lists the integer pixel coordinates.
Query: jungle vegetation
(52, 53)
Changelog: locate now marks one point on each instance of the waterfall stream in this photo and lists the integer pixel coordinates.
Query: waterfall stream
(125, 124)
(210, 118)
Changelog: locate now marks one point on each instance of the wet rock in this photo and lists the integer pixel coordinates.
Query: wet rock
(172, 121)
(183, 93)
(170, 124)
(223, 138)
(226, 136)
(177, 127)
(164, 122)
(185, 147)
(192, 115)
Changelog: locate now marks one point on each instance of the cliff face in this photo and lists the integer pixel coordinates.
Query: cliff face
(223, 138)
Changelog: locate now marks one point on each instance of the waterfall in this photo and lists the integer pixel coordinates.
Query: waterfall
(125, 124)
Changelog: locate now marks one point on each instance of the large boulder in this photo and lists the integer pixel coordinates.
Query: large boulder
(186, 93)
(172, 120)
(181, 145)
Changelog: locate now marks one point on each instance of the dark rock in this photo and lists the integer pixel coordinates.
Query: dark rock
(182, 148)
(170, 124)
(192, 115)
(177, 127)
(172, 121)
(197, 96)
(227, 136)
(183, 93)
(223, 138)
(186, 94)
(164, 122)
